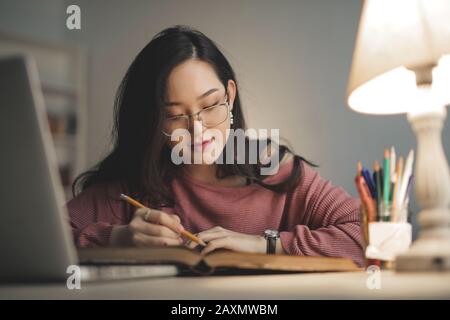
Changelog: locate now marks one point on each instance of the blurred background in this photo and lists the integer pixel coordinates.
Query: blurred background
(291, 58)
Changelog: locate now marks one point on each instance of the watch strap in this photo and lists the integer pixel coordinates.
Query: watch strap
(271, 245)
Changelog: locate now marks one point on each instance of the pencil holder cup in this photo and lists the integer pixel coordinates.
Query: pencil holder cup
(388, 239)
(388, 213)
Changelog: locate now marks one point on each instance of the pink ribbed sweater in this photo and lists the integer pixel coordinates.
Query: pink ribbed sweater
(317, 219)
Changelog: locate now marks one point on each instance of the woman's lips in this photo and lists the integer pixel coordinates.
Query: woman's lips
(202, 145)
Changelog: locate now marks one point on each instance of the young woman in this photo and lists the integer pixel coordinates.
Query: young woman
(181, 80)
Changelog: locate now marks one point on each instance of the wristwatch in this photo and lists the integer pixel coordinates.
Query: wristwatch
(271, 236)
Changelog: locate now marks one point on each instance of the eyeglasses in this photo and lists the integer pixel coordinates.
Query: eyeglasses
(210, 117)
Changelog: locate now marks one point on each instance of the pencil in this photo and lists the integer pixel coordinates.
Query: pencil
(408, 189)
(185, 233)
(398, 176)
(361, 171)
(387, 182)
(393, 163)
(393, 168)
(376, 169)
(369, 181)
(407, 171)
(366, 199)
(404, 217)
(381, 179)
(364, 226)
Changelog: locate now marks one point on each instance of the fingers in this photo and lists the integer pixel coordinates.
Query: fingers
(216, 238)
(141, 212)
(176, 218)
(214, 233)
(154, 227)
(153, 230)
(225, 242)
(142, 240)
(172, 221)
(191, 244)
(208, 236)
(160, 217)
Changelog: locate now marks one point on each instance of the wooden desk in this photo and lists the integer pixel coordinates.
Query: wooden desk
(297, 286)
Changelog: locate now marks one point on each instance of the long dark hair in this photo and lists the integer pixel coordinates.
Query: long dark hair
(140, 157)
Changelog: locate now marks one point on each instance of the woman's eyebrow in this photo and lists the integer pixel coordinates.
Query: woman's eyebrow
(207, 93)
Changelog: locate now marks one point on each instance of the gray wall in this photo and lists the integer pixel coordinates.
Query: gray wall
(292, 59)
(43, 19)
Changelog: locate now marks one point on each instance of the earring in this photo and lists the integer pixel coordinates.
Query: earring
(231, 118)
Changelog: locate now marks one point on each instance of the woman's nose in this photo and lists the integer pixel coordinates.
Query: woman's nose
(195, 120)
(196, 129)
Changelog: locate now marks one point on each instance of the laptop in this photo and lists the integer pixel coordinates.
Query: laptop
(36, 243)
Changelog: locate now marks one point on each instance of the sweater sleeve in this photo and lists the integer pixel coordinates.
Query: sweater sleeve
(93, 214)
(323, 220)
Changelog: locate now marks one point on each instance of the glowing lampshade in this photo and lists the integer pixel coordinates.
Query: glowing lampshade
(394, 37)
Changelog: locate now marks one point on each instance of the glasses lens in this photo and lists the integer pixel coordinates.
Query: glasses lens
(214, 116)
(172, 124)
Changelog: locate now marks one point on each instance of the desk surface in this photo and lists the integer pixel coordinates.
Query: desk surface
(349, 285)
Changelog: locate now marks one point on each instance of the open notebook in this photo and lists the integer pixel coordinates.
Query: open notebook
(217, 262)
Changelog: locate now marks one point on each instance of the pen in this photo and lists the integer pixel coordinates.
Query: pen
(185, 233)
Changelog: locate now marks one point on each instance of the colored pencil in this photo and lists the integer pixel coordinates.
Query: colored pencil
(398, 176)
(386, 187)
(376, 169)
(405, 176)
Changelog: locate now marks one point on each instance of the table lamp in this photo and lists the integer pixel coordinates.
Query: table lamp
(401, 64)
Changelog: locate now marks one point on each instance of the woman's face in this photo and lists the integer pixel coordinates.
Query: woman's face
(191, 87)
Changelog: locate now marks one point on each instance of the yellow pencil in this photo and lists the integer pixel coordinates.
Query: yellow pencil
(185, 233)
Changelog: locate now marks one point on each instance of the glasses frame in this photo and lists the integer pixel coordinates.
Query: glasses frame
(197, 114)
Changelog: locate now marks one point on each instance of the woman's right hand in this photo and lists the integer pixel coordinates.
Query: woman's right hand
(151, 227)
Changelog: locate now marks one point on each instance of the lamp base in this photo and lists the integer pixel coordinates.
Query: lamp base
(431, 251)
(426, 254)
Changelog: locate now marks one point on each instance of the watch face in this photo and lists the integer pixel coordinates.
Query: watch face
(271, 233)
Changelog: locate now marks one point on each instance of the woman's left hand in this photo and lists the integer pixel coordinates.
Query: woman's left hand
(219, 237)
